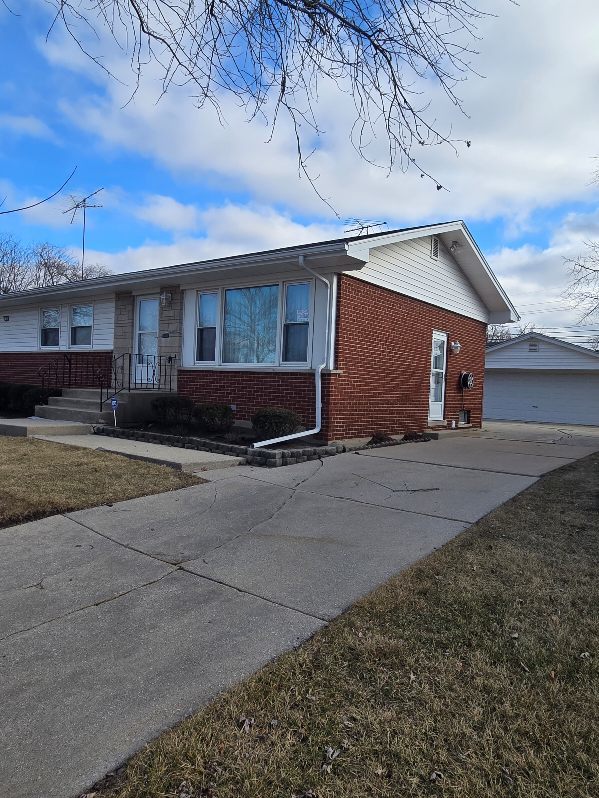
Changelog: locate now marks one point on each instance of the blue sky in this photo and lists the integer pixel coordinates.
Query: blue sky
(180, 186)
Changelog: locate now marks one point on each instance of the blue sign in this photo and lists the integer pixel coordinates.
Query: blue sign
(114, 403)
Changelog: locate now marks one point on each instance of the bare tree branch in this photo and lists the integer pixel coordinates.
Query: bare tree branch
(274, 54)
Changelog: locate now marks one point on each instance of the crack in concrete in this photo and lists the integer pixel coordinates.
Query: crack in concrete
(255, 595)
(245, 532)
(98, 603)
(464, 468)
(395, 490)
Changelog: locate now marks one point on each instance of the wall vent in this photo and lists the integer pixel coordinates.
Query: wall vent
(435, 247)
(533, 346)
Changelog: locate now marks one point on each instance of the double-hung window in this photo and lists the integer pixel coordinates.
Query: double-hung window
(82, 320)
(296, 323)
(207, 323)
(50, 327)
(262, 324)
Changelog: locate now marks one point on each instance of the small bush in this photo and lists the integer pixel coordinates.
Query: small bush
(19, 398)
(379, 436)
(172, 411)
(215, 418)
(274, 422)
(36, 395)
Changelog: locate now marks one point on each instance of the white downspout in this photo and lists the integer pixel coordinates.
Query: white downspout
(317, 374)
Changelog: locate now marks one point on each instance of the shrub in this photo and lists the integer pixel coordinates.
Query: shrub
(4, 393)
(172, 411)
(18, 398)
(274, 422)
(216, 418)
(36, 395)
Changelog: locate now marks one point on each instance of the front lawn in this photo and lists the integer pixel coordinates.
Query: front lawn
(474, 674)
(39, 478)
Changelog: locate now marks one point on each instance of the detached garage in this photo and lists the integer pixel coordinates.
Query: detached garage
(537, 378)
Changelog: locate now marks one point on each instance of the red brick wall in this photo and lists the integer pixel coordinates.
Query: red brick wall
(250, 390)
(24, 367)
(383, 351)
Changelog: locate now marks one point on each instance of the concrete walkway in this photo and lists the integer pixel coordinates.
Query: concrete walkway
(116, 622)
(190, 460)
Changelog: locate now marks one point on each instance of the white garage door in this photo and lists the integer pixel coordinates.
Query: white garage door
(542, 396)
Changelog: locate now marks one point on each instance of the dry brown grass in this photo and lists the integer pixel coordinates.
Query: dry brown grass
(472, 675)
(39, 478)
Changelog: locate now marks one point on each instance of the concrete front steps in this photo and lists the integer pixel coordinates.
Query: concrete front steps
(76, 404)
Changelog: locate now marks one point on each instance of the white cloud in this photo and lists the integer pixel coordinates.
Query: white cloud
(532, 124)
(26, 125)
(228, 230)
(536, 278)
(168, 214)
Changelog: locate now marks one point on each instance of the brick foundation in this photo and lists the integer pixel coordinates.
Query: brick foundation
(250, 390)
(24, 367)
(383, 354)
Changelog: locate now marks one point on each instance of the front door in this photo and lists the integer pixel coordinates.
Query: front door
(145, 358)
(437, 387)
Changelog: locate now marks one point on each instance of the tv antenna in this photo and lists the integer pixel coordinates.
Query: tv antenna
(82, 205)
(362, 226)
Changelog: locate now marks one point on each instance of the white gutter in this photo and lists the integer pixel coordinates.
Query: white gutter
(318, 373)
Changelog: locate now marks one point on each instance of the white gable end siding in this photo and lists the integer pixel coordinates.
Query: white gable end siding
(21, 332)
(548, 356)
(408, 268)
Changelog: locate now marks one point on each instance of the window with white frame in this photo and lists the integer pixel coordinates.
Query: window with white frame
(207, 324)
(261, 324)
(50, 327)
(82, 320)
(296, 324)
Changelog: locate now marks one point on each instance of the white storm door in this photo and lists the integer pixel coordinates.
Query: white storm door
(438, 367)
(145, 350)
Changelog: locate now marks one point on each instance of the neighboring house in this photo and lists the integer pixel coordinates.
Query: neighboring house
(373, 320)
(537, 378)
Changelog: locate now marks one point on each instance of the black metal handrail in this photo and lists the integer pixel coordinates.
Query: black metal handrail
(72, 369)
(132, 371)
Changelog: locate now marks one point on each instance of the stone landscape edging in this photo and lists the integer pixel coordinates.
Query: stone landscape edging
(269, 458)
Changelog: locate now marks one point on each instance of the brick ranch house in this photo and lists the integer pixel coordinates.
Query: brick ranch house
(357, 335)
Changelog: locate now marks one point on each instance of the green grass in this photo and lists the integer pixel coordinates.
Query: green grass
(40, 478)
(474, 674)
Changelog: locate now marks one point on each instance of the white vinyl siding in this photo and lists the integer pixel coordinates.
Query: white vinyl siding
(21, 333)
(548, 356)
(558, 397)
(408, 268)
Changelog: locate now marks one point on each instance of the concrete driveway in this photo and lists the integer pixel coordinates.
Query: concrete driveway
(118, 621)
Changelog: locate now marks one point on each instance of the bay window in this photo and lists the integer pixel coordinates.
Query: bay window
(50, 327)
(82, 319)
(256, 325)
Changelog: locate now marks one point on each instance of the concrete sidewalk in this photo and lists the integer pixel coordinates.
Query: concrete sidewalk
(191, 460)
(116, 622)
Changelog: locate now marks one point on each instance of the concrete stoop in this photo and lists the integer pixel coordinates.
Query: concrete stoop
(82, 405)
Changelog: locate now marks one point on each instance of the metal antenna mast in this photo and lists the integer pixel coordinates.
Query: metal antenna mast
(362, 226)
(82, 205)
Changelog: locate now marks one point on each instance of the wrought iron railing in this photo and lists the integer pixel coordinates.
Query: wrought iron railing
(138, 372)
(71, 370)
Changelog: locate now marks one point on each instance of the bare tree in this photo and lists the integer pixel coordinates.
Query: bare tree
(388, 56)
(583, 290)
(24, 267)
(498, 333)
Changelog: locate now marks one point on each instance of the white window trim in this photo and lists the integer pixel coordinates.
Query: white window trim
(80, 347)
(278, 364)
(39, 328)
(217, 337)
